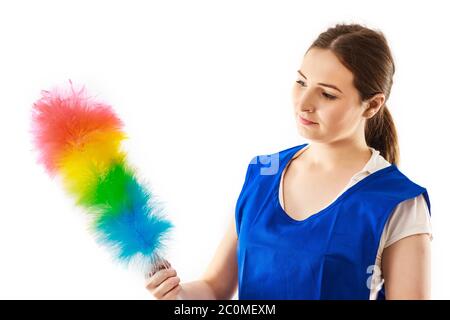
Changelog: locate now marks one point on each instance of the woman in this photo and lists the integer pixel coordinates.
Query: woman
(336, 219)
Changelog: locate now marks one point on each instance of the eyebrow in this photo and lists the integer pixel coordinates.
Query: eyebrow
(322, 84)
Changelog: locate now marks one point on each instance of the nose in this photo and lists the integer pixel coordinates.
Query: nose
(304, 102)
(306, 108)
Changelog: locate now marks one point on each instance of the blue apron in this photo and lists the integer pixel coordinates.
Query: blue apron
(330, 254)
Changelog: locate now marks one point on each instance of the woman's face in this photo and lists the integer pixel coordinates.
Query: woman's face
(324, 94)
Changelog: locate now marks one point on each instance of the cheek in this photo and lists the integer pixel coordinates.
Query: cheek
(338, 116)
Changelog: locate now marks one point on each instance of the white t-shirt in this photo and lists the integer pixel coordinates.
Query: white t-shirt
(409, 217)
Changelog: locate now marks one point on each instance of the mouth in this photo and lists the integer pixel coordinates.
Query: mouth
(306, 121)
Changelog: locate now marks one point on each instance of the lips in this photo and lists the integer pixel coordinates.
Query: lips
(306, 121)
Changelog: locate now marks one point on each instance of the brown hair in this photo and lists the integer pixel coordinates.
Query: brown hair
(366, 54)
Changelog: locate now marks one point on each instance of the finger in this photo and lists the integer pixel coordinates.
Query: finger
(172, 294)
(159, 277)
(164, 264)
(166, 286)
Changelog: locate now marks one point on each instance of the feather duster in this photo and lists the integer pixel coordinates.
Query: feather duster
(79, 140)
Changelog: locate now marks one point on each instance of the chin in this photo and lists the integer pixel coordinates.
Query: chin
(307, 134)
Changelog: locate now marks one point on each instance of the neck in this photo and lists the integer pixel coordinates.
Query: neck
(335, 155)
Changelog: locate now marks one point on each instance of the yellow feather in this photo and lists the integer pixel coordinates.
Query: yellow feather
(84, 162)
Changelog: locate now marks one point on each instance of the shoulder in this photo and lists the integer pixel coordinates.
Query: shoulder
(409, 184)
(265, 166)
(390, 181)
(274, 158)
(410, 217)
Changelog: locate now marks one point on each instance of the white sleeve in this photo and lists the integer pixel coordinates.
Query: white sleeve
(409, 217)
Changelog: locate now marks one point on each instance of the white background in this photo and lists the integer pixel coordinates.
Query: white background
(202, 86)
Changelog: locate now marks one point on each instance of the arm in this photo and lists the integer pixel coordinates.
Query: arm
(406, 268)
(220, 280)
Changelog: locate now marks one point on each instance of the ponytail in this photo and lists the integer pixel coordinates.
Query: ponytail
(381, 135)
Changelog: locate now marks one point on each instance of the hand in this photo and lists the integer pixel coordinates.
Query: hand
(164, 283)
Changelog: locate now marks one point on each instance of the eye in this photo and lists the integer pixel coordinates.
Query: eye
(329, 96)
(326, 95)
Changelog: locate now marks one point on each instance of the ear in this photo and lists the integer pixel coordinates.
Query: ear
(373, 105)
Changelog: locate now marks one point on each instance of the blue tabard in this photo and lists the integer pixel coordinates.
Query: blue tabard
(329, 255)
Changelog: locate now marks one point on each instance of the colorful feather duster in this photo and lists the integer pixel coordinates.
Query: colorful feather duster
(79, 140)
